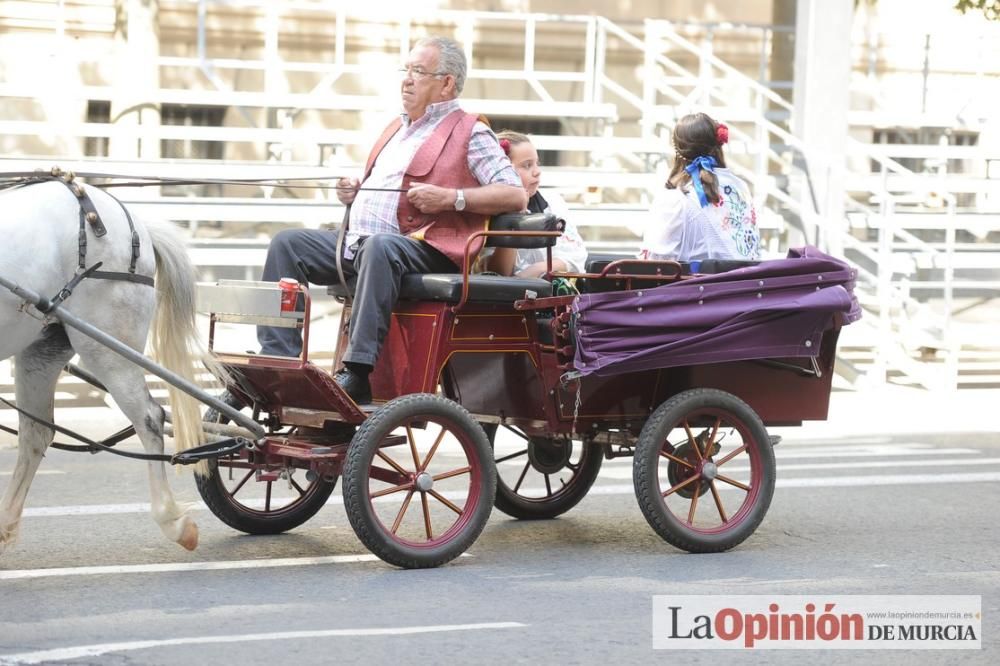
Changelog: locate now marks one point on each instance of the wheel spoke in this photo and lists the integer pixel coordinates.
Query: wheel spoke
(694, 502)
(718, 501)
(430, 454)
(394, 489)
(454, 472)
(679, 461)
(511, 456)
(392, 463)
(241, 483)
(711, 438)
(730, 456)
(427, 516)
(388, 476)
(413, 447)
(267, 498)
(444, 500)
(693, 440)
(548, 487)
(520, 479)
(732, 483)
(402, 511)
(681, 485)
(295, 484)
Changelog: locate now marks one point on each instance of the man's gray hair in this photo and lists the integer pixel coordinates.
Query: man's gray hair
(451, 59)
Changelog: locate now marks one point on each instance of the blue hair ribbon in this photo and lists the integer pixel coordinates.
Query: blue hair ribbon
(706, 162)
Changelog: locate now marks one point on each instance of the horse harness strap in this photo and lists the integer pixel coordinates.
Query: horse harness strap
(91, 445)
(88, 216)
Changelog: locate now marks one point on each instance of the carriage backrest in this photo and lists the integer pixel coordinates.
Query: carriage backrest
(598, 261)
(525, 222)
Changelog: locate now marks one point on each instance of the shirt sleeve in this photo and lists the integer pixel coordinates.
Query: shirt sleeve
(664, 232)
(487, 161)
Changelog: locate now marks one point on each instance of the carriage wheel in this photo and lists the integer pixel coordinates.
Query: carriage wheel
(419, 481)
(232, 492)
(541, 477)
(704, 471)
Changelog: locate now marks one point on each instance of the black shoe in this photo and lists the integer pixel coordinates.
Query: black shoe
(212, 414)
(355, 386)
(230, 399)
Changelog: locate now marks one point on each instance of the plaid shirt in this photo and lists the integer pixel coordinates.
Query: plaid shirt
(375, 212)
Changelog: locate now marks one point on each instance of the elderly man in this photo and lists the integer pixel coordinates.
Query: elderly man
(452, 173)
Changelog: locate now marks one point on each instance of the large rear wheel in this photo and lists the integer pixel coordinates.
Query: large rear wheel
(704, 471)
(260, 498)
(541, 477)
(419, 481)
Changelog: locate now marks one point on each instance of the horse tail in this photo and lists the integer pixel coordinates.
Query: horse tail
(174, 342)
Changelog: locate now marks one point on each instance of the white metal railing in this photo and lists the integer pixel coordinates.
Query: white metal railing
(675, 75)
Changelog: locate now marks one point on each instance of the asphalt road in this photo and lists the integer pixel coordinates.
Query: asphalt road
(875, 502)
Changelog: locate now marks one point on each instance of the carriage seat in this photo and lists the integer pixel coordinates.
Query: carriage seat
(598, 261)
(447, 287)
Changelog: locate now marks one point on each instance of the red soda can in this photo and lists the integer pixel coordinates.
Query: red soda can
(289, 293)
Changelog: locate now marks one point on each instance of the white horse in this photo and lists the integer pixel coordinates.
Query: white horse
(39, 250)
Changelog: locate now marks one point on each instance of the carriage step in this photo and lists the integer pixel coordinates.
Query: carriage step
(222, 447)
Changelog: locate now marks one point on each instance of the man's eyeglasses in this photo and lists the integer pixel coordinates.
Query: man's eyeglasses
(417, 73)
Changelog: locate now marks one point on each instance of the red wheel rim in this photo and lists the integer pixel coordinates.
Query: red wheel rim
(424, 482)
(263, 498)
(721, 470)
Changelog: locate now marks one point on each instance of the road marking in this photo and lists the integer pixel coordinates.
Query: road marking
(792, 452)
(610, 489)
(168, 567)
(186, 566)
(831, 482)
(96, 650)
(626, 473)
(40, 472)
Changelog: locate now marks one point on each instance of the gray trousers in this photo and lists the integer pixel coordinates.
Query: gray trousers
(380, 261)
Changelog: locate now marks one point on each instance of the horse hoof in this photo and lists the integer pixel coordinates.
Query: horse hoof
(189, 538)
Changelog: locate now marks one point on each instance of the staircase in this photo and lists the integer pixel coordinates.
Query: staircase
(302, 88)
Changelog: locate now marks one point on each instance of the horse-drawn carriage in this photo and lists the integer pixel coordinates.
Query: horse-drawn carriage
(489, 390)
(493, 390)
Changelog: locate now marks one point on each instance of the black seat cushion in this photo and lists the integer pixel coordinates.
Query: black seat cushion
(482, 288)
(447, 287)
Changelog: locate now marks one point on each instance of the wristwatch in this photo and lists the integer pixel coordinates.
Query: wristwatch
(459, 200)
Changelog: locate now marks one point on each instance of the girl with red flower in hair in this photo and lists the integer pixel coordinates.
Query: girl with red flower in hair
(569, 253)
(705, 211)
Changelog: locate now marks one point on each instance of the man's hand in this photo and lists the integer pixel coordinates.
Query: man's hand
(347, 189)
(430, 198)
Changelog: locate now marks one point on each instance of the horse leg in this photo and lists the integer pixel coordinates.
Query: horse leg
(36, 370)
(127, 385)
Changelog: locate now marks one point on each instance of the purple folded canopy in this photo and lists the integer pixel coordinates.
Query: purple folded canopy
(776, 309)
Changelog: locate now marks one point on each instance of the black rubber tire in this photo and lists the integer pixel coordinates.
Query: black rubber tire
(738, 526)
(244, 518)
(522, 507)
(380, 540)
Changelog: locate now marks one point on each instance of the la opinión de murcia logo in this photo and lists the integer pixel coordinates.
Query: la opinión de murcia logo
(804, 625)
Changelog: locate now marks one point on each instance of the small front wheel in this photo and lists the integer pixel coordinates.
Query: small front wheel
(259, 498)
(704, 471)
(419, 481)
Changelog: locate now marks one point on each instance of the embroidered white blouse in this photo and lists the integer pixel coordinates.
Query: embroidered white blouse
(679, 228)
